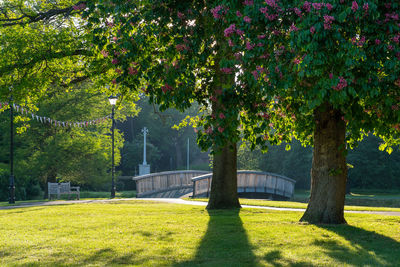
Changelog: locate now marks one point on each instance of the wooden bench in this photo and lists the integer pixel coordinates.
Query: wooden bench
(62, 189)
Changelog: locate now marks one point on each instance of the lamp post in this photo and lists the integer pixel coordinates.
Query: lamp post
(11, 199)
(113, 102)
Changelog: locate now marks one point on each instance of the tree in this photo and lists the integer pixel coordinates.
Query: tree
(177, 53)
(48, 153)
(325, 73)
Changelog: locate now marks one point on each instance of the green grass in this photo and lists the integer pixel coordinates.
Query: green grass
(296, 205)
(367, 198)
(4, 204)
(121, 194)
(139, 233)
(83, 195)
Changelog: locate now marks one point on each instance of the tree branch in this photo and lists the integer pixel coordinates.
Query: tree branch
(45, 56)
(41, 16)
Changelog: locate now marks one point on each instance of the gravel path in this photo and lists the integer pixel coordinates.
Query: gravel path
(173, 201)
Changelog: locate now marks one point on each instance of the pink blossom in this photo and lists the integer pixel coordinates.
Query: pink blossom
(238, 14)
(312, 30)
(180, 47)
(264, 10)
(396, 38)
(262, 36)
(104, 53)
(249, 46)
(209, 130)
(390, 47)
(297, 11)
(329, 6)
(328, 21)
(330, 75)
(247, 19)
(354, 6)
(293, 28)
(114, 61)
(248, 2)
(239, 32)
(226, 70)
(366, 7)
(238, 56)
(230, 42)
(132, 71)
(260, 69)
(220, 129)
(317, 6)
(221, 116)
(377, 42)
(307, 6)
(255, 74)
(216, 12)
(341, 84)
(296, 61)
(166, 88)
(230, 30)
(271, 3)
(180, 15)
(361, 42)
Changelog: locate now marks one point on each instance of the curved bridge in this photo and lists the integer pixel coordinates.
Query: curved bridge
(166, 184)
(252, 184)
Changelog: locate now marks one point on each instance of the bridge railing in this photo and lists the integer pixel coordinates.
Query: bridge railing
(165, 181)
(250, 182)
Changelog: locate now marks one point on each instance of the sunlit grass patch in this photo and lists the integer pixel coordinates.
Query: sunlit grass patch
(297, 205)
(145, 233)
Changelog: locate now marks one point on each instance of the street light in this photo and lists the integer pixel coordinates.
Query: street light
(11, 199)
(113, 102)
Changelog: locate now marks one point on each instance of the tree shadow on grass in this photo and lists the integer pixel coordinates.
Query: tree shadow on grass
(225, 242)
(368, 248)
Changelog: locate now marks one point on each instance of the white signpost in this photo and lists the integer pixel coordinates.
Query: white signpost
(144, 168)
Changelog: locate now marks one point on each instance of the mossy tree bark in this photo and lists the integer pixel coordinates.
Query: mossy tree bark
(329, 169)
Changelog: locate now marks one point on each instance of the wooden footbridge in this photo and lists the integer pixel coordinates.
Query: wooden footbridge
(252, 184)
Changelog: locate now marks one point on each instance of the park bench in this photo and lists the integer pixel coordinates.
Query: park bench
(62, 189)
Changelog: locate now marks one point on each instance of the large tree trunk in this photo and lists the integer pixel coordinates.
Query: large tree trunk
(223, 193)
(329, 169)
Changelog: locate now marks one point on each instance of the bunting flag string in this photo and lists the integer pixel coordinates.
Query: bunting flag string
(46, 120)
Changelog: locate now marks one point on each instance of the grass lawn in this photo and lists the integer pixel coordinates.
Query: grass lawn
(369, 198)
(83, 195)
(158, 234)
(296, 205)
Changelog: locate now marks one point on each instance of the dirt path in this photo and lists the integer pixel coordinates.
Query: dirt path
(172, 201)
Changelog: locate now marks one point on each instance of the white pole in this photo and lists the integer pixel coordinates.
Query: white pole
(144, 131)
(187, 155)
